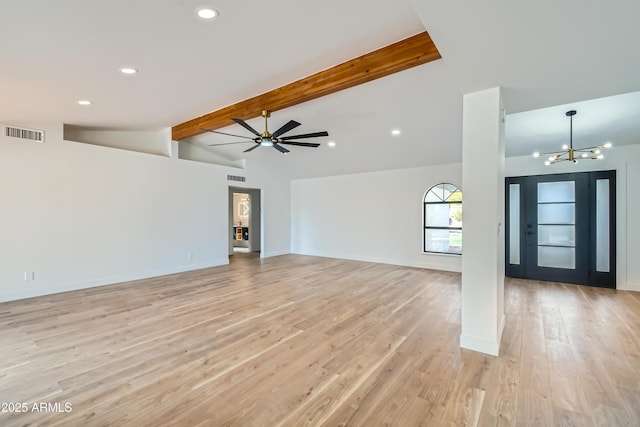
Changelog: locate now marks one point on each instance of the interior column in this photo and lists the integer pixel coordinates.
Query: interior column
(483, 219)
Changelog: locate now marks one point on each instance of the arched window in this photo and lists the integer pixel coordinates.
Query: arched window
(443, 219)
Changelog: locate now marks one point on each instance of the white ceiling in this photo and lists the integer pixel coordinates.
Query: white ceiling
(612, 119)
(543, 54)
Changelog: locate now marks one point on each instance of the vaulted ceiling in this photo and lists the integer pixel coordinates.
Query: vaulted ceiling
(543, 54)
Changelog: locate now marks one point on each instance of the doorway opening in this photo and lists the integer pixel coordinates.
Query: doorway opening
(562, 228)
(245, 221)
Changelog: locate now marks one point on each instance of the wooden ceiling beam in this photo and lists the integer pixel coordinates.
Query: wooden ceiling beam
(399, 56)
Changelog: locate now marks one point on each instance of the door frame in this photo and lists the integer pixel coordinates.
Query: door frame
(589, 276)
(256, 219)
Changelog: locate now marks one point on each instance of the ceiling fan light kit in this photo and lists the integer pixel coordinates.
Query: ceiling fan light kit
(570, 154)
(268, 139)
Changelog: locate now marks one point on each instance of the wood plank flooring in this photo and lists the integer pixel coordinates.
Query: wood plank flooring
(305, 341)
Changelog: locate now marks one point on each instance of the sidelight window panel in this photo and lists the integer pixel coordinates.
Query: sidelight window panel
(514, 224)
(602, 226)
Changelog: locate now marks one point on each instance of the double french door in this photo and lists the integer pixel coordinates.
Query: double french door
(562, 228)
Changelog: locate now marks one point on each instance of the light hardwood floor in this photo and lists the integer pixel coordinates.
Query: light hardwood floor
(295, 340)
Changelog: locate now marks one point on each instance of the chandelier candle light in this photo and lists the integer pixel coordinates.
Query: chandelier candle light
(570, 154)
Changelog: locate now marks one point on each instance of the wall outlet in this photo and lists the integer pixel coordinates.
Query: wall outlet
(28, 276)
(189, 255)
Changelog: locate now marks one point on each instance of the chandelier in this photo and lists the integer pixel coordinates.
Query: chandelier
(570, 154)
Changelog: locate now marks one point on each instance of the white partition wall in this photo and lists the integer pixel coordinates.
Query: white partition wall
(483, 250)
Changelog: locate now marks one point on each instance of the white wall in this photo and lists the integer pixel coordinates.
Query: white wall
(80, 215)
(373, 217)
(626, 161)
(362, 217)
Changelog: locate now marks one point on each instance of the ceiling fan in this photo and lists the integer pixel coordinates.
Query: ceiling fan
(268, 139)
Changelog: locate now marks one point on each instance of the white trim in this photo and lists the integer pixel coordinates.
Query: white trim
(480, 345)
(628, 286)
(389, 261)
(22, 293)
(272, 254)
(449, 254)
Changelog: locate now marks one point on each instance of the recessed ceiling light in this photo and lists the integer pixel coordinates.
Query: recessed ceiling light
(84, 102)
(395, 132)
(207, 13)
(128, 70)
(331, 144)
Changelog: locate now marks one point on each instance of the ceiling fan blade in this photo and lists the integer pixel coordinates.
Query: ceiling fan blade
(228, 134)
(301, 144)
(286, 128)
(280, 149)
(246, 126)
(306, 135)
(252, 148)
(229, 143)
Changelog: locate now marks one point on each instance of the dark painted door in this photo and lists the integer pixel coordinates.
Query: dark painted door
(561, 228)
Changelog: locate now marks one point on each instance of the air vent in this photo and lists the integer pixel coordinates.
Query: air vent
(236, 178)
(22, 133)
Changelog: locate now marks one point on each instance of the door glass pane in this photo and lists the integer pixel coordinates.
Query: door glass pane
(556, 213)
(556, 257)
(602, 225)
(557, 235)
(514, 223)
(443, 240)
(556, 205)
(559, 191)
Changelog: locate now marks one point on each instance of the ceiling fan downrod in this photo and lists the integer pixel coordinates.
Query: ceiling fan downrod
(266, 114)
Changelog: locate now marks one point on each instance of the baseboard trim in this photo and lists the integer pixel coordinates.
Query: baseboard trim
(353, 257)
(628, 286)
(272, 254)
(480, 345)
(105, 281)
